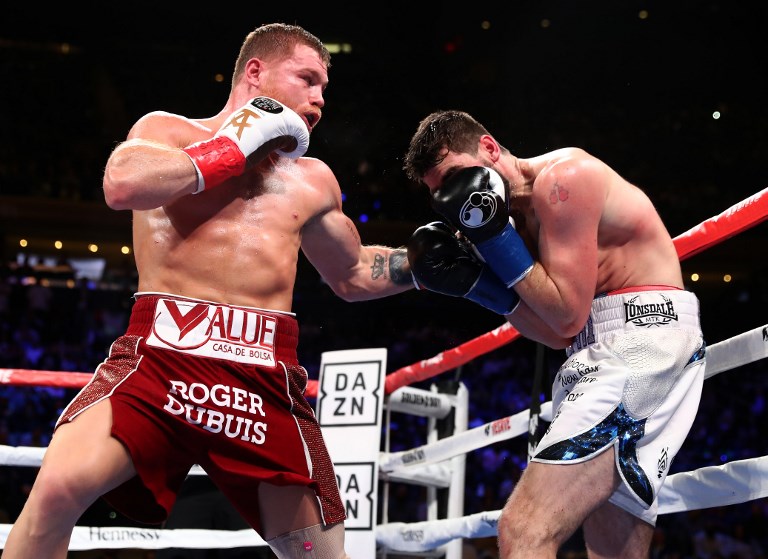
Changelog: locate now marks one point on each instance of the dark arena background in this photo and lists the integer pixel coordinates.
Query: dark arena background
(671, 94)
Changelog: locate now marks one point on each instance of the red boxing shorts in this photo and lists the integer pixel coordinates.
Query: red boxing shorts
(193, 382)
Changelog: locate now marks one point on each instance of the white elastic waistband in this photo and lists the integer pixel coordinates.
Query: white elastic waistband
(646, 310)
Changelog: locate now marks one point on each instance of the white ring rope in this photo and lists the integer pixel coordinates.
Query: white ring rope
(478, 437)
(729, 354)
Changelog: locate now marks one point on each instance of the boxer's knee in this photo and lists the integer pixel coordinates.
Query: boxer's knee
(312, 542)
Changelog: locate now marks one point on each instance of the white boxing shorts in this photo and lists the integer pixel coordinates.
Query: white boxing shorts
(632, 382)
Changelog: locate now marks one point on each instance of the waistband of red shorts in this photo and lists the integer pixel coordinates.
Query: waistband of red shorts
(286, 333)
(637, 308)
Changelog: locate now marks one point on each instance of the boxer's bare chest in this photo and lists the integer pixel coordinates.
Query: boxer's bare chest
(260, 191)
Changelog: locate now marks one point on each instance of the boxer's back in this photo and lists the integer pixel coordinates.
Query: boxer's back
(634, 246)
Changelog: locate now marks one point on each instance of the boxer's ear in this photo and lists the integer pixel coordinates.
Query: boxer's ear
(253, 69)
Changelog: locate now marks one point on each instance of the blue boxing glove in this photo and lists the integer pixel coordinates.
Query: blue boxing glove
(474, 201)
(443, 263)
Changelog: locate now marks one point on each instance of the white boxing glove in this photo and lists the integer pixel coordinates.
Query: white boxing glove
(260, 120)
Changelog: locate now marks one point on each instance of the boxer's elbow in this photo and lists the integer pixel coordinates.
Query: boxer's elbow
(349, 292)
(554, 342)
(115, 198)
(568, 325)
(128, 193)
(348, 289)
(118, 190)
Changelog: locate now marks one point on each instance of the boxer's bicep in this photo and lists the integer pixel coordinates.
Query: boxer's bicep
(332, 244)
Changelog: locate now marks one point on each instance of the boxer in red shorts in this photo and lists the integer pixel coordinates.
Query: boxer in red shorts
(207, 371)
(226, 385)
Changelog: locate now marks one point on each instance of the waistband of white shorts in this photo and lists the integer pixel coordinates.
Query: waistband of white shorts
(637, 309)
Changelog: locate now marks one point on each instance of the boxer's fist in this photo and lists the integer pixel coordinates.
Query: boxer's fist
(443, 263)
(263, 119)
(440, 262)
(257, 122)
(474, 200)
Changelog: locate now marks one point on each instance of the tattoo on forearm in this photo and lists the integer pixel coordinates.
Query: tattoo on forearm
(378, 269)
(558, 194)
(399, 271)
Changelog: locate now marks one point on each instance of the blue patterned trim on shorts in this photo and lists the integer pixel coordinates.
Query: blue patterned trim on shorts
(618, 425)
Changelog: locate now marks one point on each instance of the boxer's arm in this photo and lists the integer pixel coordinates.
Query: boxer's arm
(148, 170)
(151, 169)
(569, 202)
(251, 127)
(355, 272)
(532, 327)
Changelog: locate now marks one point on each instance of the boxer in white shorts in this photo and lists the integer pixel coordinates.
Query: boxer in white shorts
(631, 385)
(540, 240)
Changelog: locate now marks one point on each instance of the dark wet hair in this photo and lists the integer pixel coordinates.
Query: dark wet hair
(457, 131)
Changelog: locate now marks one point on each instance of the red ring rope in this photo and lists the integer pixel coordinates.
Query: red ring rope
(739, 217)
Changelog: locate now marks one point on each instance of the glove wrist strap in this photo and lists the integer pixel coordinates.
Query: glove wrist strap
(215, 160)
(507, 256)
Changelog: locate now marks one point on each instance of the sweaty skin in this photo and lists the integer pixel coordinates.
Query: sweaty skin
(589, 229)
(239, 242)
(236, 243)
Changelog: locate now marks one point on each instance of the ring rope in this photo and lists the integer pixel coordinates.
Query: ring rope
(723, 356)
(729, 354)
(737, 218)
(734, 352)
(711, 486)
(86, 538)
